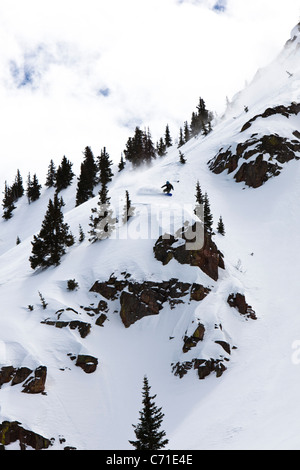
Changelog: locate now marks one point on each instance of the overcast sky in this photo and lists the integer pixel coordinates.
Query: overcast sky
(76, 74)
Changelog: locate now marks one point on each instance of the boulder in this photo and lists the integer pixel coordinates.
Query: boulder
(208, 258)
(238, 301)
(192, 341)
(87, 363)
(11, 432)
(37, 383)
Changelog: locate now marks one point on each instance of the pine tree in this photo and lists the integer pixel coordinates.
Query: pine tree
(148, 147)
(168, 139)
(43, 301)
(121, 165)
(33, 188)
(199, 201)
(147, 430)
(102, 222)
(51, 175)
(181, 139)
(50, 245)
(64, 175)
(139, 148)
(8, 202)
(128, 209)
(221, 227)
(161, 148)
(81, 234)
(17, 187)
(187, 134)
(87, 178)
(208, 218)
(104, 165)
(181, 157)
(199, 195)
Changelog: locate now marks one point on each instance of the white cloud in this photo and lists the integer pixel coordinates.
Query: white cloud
(76, 73)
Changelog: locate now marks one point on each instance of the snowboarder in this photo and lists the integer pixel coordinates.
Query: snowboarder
(168, 187)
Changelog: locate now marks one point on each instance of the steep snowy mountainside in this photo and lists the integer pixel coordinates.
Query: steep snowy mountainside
(269, 136)
(224, 376)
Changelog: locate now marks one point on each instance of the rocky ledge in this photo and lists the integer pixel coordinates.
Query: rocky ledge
(257, 159)
(208, 258)
(33, 381)
(140, 299)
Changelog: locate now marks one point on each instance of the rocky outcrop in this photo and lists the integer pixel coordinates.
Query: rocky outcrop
(83, 328)
(140, 299)
(203, 367)
(87, 363)
(257, 159)
(286, 111)
(208, 258)
(192, 341)
(238, 301)
(11, 432)
(35, 382)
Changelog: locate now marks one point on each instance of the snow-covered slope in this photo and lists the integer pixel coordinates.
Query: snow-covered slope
(254, 403)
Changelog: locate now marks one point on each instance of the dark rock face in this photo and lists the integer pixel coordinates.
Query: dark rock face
(83, 328)
(192, 341)
(203, 367)
(87, 363)
(138, 300)
(271, 152)
(238, 301)
(12, 432)
(286, 111)
(34, 384)
(37, 383)
(208, 258)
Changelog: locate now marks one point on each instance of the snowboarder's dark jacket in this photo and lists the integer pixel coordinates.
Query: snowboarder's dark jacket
(168, 186)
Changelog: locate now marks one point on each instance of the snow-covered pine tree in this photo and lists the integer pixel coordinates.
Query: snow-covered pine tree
(87, 178)
(181, 138)
(128, 209)
(199, 201)
(17, 187)
(51, 175)
(147, 431)
(121, 165)
(199, 195)
(104, 165)
(64, 174)
(8, 202)
(139, 148)
(102, 222)
(81, 234)
(182, 158)
(168, 139)
(50, 244)
(149, 150)
(186, 132)
(221, 227)
(33, 188)
(208, 218)
(161, 148)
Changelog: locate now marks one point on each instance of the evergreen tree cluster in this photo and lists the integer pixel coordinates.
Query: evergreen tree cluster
(203, 200)
(54, 237)
(11, 195)
(139, 148)
(200, 123)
